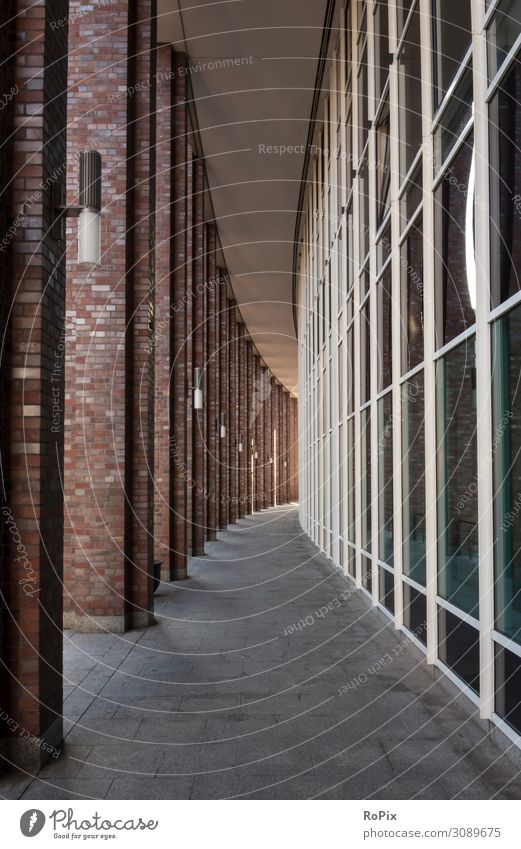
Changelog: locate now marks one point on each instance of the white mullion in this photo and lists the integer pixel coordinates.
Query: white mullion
(397, 331)
(373, 316)
(355, 111)
(430, 337)
(483, 370)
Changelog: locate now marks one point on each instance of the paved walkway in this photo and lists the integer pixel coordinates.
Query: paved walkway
(224, 697)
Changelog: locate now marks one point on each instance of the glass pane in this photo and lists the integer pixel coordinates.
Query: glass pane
(365, 344)
(459, 647)
(403, 7)
(412, 196)
(383, 164)
(454, 272)
(365, 423)
(415, 612)
(412, 274)
(383, 248)
(506, 337)
(351, 561)
(364, 209)
(409, 101)
(452, 36)
(508, 687)
(350, 371)
(502, 33)
(351, 481)
(385, 464)
(458, 478)
(385, 347)
(387, 589)
(382, 55)
(505, 188)
(454, 119)
(367, 575)
(413, 479)
(363, 103)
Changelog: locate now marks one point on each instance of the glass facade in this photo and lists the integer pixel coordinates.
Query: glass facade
(458, 552)
(428, 332)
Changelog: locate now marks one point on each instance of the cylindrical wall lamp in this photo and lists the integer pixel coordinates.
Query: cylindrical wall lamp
(88, 210)
(222, 429)
(240, 444)
(197, 389)
(89, 225)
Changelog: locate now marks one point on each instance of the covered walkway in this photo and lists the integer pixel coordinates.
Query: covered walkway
(265, 676)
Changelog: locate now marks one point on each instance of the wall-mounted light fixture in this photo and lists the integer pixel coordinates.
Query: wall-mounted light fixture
(240, 444)
(271, 459)
(197, 392)
(222, 429)
(88, 210)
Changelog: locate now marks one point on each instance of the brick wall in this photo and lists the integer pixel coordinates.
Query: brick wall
(32, 449)
(109, 375)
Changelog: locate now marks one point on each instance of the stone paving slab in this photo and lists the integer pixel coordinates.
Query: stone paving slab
(257, 681)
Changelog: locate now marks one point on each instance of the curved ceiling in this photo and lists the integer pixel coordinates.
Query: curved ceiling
(252, 67)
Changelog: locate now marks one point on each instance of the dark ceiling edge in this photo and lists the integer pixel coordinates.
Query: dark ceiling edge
(324, 47)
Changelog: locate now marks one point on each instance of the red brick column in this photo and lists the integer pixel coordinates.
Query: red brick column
(163, 303)
(223, 407)
(290, 448)
(141, 201)
(294, 450)
(243, 423)
(211, 381)
(32, 359)
(268, 437)
(261, 434)
(109, 374)
(198, 483)
(188, 350)
(285, 399)
(178, 419)
(250, 429)
(232, 412)
(276, 438)
(280, 465)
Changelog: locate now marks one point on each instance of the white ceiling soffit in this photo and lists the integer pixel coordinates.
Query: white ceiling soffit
(253, 67)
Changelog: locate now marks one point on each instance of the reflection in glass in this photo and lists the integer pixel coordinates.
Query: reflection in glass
(365, 423)
(367, 575)
(505, 187)
(458, 478)
(502, 33)
(409, 100)
(351, 522)
(387, 589)
(382, 56)
(385, 346)
(452, 36)
(454, 119)
(351, 560)
(454, 297)
(383, 164)
(415, 612)
(385, 466)
(506, 336)
(459, 647)
(365, 345)
(508, 687)
(413, 479)
(412, 275)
